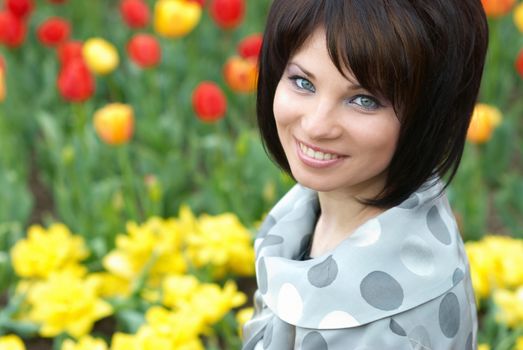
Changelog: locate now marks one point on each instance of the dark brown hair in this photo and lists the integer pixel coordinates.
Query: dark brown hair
(425, 56)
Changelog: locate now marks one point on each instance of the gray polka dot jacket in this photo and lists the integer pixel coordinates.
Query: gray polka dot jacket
(399, 281)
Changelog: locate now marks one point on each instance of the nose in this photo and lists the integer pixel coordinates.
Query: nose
(320, 121)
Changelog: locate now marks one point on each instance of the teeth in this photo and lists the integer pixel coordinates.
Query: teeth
(316, 154)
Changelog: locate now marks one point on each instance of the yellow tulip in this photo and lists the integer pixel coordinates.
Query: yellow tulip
(485, 119)
(114, 123)
(100, 55)
(175, 18)
(519, 343)
(518, 17)
(2, 85)
(11, 342)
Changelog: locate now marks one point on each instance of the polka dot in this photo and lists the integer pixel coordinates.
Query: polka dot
(381, 291)
(457, 276)
(314, 341)
(290, 304)
(262, 275)
(437, 226)
(367, 234)
(468, 345)
(267, 335)
(410, 203)
(396, 328)
(417, 256)
(419, 338)
(266, 226)
(324, 273)
(271, 240)
(338, 319)
(449, 315)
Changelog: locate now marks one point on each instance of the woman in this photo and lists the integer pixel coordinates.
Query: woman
(366, 104)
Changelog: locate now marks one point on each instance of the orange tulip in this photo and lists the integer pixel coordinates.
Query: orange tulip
(114, 123)
(485, 119)
(241, 74)
(497, 8)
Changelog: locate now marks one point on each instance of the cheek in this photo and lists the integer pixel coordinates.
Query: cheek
(378, 136)
(283, 106)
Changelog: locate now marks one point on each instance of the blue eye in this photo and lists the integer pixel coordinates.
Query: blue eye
(303, 84)
(366, 102)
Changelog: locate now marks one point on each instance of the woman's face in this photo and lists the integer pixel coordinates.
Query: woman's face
(336, 135)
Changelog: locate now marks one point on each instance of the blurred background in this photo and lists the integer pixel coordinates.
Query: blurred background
(132, 177)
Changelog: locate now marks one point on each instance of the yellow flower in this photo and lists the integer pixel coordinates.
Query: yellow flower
(518, 17)
(157, 242)
(11, 342)
(495, 262)
(178, 290)
(483, 347)
(176, 18)
(109, 285)
(46, 251)
(242, 317)
(213, 303)
(114, 123)
(84, 343)
(519, 344)
(485, 119)
(164, 330)
(223, 242)
(241, 74)
(510, 306)
(65, 303)
(100, 55)
(2, 85)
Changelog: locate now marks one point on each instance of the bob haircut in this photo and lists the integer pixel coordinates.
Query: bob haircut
(424, 56)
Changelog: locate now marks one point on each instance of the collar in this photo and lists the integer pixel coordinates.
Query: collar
(402, 258)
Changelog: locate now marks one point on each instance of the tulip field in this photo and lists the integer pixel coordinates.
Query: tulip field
(132, 176)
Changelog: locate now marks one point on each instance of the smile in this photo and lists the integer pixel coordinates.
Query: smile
(318, 155)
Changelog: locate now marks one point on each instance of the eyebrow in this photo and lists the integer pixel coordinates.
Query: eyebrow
(353, 86)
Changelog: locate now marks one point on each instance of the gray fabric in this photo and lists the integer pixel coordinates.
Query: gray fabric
(400, 281)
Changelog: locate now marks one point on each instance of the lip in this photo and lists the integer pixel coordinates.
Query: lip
(315, 163)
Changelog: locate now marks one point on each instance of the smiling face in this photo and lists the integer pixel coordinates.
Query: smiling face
(335, 134)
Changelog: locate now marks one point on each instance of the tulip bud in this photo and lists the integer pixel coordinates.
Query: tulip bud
(227, 14)
(12, 30)
(144, 50)
(173, 18)
(53, 31)
(135, 13)
(518, 17)
(20, 8)
(75, 81)
(100, 55)
(241, 74)
(114, 123)
(484, 120)
(497, 8)
(250, 46)
(209, 102)
(69, 51)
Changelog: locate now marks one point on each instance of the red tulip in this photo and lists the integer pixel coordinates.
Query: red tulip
(69, 50)
(250, 46)
(19, 8)
(209, 102)
(519, 63)
(144, 50)
(227, 13)
(12, 29)
(75, 81)
(135, 13)
(53, 31)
